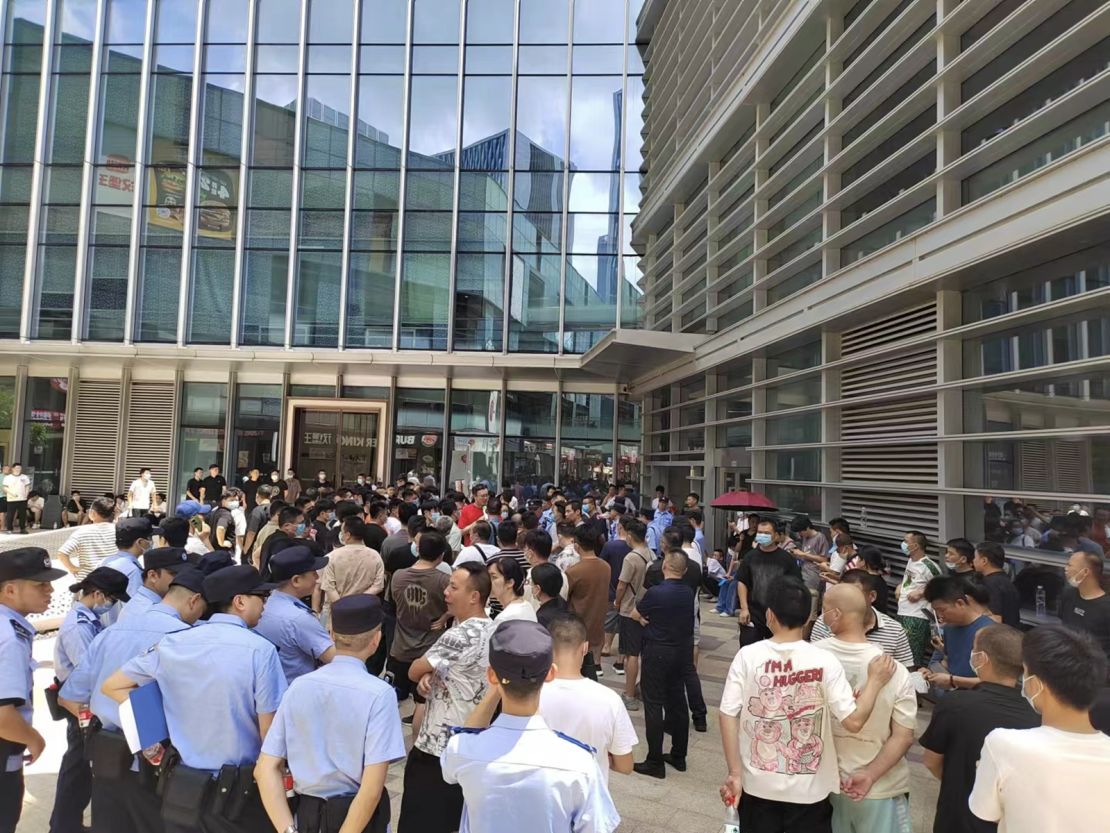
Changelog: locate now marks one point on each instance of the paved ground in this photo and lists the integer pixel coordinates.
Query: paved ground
(683, 803)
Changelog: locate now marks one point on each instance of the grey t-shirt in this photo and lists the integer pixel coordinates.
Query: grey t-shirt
(418, 595)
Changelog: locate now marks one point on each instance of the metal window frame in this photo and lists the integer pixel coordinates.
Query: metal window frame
(464, 6)
(403, 180)
(565, 213)
(142, 154)
(192, 163)
(88, 171)
(510, 192)
(28, 319)
(349, 191)
(298, 184)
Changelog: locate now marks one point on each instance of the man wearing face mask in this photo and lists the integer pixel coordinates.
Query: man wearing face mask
(221, 522)
(1084, 605)
(913, 610)
(133, 539)
(290, 524)
(759, 568)
(961, 722)
(418, 593)
(1053, 777)
(961, 609)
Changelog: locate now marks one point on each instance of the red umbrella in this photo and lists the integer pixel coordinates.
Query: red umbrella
(743, 500)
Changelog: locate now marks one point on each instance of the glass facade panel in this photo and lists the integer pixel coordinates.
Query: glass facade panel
(44, 423)
(200, 438)
(257, 430)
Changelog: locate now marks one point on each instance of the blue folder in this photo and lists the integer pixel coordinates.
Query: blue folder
(150, 717)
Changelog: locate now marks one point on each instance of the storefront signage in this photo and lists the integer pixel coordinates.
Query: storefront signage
(425, 440)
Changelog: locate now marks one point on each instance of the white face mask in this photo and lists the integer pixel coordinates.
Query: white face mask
(233, 504)
(1077, 580)
(1030, 698)
(275, 477)
(971, 661)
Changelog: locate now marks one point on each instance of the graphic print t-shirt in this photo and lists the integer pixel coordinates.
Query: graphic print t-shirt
(418, 595)
(786, 696)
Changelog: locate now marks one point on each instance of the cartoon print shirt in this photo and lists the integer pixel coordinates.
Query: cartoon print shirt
(786, 696)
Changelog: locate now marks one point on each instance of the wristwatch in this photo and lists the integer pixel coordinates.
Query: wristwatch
(291, 829)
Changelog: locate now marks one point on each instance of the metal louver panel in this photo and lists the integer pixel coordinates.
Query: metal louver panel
(96, 438)
(1033, 457)
(883, 513)
(891, 329)
(151, 411)
(904, 371)
(1072, 466)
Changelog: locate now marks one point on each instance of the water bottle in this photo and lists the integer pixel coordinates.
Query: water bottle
(1041, 606)
(732, 818)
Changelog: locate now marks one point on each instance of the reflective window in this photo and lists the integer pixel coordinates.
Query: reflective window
(543, 21)
(384, 21)
(44, 424)
(490, 21)
(257, 430)
(200, 438)
(530, 414)
(1039, 344)
(791, 430)
(787, 361)
(794, 465)
(418, 442)
(599, 22)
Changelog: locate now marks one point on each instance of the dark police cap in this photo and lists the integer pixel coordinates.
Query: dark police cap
(356, 614)
(520, 651)
(191, 578)
(31, 563)
(239, 580)
(113, 583)
(130, 530)
(293, 561)
(166, 558)
(215, 560)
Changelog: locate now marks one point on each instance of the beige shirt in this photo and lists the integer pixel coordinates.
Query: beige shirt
(352, 569)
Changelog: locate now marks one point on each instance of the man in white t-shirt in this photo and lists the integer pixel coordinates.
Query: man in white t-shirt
(1051, 779)
(874, 774)
(781, 697)
(581, 708)
(16, 486)
(91, 543)
(914, 612)
(140, 494)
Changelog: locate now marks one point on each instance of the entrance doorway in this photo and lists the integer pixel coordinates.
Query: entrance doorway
(341, 439)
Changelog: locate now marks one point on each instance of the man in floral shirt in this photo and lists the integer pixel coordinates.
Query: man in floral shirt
(452, 676)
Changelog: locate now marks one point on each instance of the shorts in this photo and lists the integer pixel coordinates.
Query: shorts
(612, 621)
(762, 815)
(871, 815)
(632, 637)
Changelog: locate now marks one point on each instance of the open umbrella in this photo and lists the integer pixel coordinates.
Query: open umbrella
(742, 501)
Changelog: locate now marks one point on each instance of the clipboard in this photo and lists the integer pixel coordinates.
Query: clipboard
(143, 718)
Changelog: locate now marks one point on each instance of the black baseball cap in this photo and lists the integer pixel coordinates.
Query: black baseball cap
(166, 558)
(229, 582)
(191, 578)
(113, 583)
(215, 560)
(130, 530)
(520, 651)
(293, 561)
(30, 563)
(356, 614)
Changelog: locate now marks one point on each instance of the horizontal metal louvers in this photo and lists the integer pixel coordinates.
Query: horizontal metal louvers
(1053, 466)
(885, 420)
(905, 371)
(151, 417)
(888, 514)
(96, 439)
(1072, 467)
(890, 329)
(916, 464)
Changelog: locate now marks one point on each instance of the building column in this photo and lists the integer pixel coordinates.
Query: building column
(760, 176)
(830, 428)
(948, 99)
(710, 481)
(950, 413)
(759, 424)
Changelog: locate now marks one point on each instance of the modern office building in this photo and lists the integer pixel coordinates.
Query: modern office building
(875, 238)
(352, 235)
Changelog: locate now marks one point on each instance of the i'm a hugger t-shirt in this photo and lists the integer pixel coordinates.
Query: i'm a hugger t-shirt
(786, 696)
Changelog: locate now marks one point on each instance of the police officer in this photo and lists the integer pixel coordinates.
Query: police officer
(221, 685)
(99, 590)
(160, 566)
(25, 587)
(518, 774)
(133, 537)
(123, 799)
(287, 621)
(338, 729)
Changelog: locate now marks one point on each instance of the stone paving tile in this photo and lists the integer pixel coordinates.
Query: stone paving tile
(681, 803)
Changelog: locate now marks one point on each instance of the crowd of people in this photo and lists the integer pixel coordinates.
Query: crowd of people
(284, 621)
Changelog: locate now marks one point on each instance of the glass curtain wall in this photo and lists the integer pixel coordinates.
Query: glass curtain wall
(200, 439)
(586, 444)
(44, 426)
(529, 441)
(475, 438)
(257, 429)
(418, 439)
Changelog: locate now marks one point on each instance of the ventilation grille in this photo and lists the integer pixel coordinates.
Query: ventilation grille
(1053, 466)
(906, 371)
(151, 413)
(900, 326)
(96, 439)
(886, 420)
(910, 464)
(889, 515)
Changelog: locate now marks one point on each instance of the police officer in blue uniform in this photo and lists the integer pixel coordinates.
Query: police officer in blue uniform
(96, 594)
(123, 796)
(133, 536)
(519, 774)
(25, 587)
(338, 729)
(160, 566)
(211, 787)
(287, 621)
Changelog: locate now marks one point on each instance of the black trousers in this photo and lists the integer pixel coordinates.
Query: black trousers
(376, 664)
(11, 798)
(74, 788)
(126, 805)
(253, 819)
(662, 683)
(761, 815)
(319, 815)
(16, 508)
(429, 804)
(692, 682)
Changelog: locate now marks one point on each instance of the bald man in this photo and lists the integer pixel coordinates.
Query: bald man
(873, 769)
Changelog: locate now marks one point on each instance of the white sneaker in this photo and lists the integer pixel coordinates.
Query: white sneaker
(600, 673)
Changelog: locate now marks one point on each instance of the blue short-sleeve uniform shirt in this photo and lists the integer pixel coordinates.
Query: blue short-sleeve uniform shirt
(295, 631)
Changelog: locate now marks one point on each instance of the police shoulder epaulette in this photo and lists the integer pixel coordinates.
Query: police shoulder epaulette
(577, 742)
(20, 630)
(464, 730)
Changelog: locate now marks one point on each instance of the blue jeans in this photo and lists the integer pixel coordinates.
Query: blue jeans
(726, 598)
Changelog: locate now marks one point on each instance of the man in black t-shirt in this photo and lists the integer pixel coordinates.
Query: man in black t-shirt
(194, 489)
(250, 489)
(990, 564)
(1084, 605)
(376, 513)
(963, 719)
(758, 569)
(213, 486)
(222, 524)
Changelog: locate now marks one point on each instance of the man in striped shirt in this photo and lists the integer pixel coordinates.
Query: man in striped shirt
(93, 542)
(882, 631)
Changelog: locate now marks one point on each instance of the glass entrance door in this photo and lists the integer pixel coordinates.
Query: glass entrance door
(342, 444)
